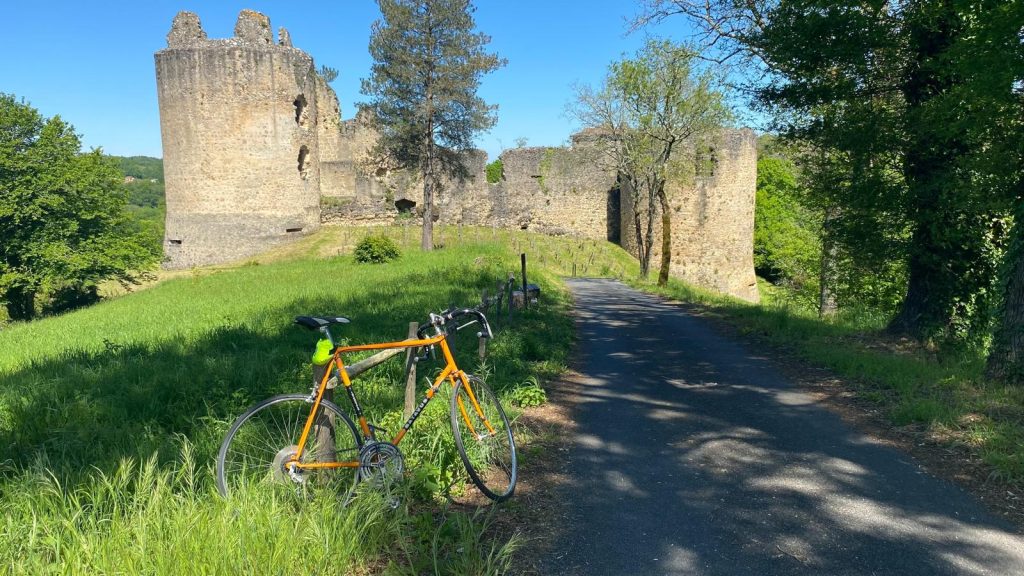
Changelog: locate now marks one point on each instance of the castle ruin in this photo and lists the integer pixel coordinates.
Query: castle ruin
(256, 154)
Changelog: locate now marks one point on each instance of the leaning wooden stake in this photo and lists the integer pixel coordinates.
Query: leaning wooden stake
(410, 372)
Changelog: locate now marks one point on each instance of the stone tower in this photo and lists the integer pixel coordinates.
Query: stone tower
(238, 119)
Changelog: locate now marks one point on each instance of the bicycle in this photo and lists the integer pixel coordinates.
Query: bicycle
(296, 439)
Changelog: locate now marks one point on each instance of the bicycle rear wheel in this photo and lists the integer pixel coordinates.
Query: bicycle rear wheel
(265, 438)
(484, 439)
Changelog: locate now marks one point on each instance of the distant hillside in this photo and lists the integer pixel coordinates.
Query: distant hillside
(142, 167)
(144, 181)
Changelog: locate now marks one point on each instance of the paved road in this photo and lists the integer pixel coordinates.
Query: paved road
(693, 456)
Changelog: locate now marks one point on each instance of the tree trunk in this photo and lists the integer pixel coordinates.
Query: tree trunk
(929, 164)
(427, 239)
(666, 237)
(643, 246)
(649, 226)
(21, 303)
(827, 274)
(1006, 358)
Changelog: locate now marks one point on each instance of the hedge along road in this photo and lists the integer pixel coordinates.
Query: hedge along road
(694, 456)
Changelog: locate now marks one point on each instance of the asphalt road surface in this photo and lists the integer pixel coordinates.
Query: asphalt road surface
(693, 456)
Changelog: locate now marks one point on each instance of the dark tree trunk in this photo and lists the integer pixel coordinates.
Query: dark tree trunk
(1006, 358)
(929, 169)
(21, 303)
(666, 237)
(427, 240)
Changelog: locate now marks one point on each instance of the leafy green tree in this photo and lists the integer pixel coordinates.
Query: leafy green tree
(495, 171)
(991, 59)
(656, 110)
(787, 244)
(428, 62)
(63, 226)
(873, 83)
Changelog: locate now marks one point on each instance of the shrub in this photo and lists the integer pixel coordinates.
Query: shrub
(495, 171)
(376, 249)
(529, 394)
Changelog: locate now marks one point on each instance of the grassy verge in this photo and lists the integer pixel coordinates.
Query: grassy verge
(110, 418)
(944, 394)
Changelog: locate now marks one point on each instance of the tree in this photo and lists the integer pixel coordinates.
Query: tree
(427, 67)
(63, 226)
(991, 59)
(787, 244)
(872, 82)
(656, 110)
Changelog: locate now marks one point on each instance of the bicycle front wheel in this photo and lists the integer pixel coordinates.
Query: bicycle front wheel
(263, 441)
(484, 439)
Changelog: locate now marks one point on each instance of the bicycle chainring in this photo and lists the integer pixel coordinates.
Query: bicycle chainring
(380, 462)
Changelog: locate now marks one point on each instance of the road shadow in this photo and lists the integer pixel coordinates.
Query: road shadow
(694, 456)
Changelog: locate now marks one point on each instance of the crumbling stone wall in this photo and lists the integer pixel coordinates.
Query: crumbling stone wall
(255, 153)
(366, 188)
(561, 191)
(712, 220)
(238, 120)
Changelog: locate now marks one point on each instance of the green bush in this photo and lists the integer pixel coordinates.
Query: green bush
(495, 171)
(529, 394)
(376, 249)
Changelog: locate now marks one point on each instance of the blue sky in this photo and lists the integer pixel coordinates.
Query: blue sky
(92, 62)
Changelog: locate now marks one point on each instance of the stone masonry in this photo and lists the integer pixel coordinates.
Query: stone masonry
(238, 120)
(256, 153)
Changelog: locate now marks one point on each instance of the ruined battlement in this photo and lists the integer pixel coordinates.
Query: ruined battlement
(256, 153)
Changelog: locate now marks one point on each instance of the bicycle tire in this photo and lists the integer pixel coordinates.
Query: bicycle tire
(489, 457)
(244, 457)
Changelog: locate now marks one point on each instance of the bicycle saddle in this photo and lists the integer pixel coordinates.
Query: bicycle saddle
(317, 322)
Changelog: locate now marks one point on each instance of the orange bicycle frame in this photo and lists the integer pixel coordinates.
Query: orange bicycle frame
(450, 372)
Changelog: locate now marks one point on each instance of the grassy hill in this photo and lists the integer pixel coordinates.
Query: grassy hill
(110, 417)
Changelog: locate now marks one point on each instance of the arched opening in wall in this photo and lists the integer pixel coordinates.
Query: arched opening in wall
(301, 110)
(304, 162)
(405, 206)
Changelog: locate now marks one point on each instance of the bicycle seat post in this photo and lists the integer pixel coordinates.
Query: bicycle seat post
(326, 332)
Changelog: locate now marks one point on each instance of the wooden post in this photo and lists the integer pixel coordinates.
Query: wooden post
(482, 350)
(410, 373)
(484, 302)
(498, 293)
(511, 283)
(323, 425)
(526, 301)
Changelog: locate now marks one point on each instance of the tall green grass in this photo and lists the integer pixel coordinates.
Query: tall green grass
(110, 419)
